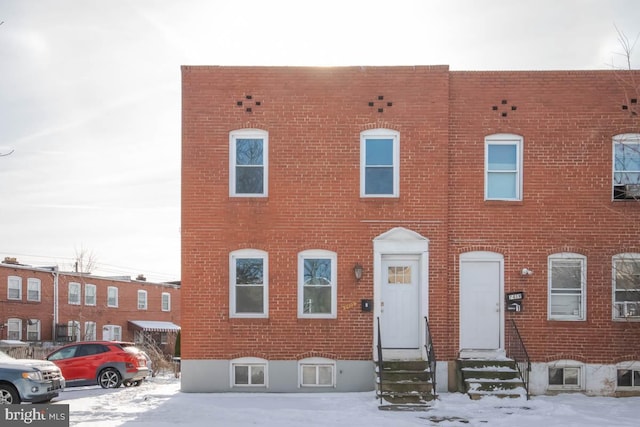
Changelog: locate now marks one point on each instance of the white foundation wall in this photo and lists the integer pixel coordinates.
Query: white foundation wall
(214, 376)
(597, 380)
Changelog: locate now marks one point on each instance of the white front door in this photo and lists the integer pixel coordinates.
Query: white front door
(400, 310)
(480, 303)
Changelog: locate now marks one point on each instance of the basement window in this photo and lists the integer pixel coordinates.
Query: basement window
(317, 372)
(565, 375)
(628, 376)
(249, 372)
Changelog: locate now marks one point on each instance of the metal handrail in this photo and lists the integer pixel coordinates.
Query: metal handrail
(517, 351)
(431, 355)
(380, 364)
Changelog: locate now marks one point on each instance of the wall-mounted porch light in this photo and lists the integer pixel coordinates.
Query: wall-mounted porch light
(357, 271)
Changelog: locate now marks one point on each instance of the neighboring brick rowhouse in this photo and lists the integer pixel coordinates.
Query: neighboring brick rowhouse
(314, 117)
(85, 311)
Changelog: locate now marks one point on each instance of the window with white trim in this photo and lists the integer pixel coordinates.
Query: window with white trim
(89, 294)
(112, 296)
(567, 286)
(626, 286)
(112, 333)
(34, 288)
(33, 330)
(317, 372)
(249, 372)
(73, 330)
(565, 375)
(628, 375)
(249, 287)
(380, 163)
(74, 293)
(14, 288)
(90, 331)
(317, 284)
(248, 163)
(166, 301)
(142, 300)
(14, 329)
(503, 167)
(626, 166)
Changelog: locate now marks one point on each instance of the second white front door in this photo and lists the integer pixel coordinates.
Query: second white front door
(480, 302)
(400, 310)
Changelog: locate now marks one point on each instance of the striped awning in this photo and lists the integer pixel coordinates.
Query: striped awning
(155, 325)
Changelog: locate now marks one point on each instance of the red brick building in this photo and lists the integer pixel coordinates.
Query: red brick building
(452, 191)
(43, 304)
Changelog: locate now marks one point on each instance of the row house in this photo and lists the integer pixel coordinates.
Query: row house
(335, 218)
(43, 304)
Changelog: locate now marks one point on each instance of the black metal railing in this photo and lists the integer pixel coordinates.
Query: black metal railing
(379, 364)
(431, 355)
(518, 352)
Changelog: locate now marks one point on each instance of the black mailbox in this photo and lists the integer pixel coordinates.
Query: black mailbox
(366, 305)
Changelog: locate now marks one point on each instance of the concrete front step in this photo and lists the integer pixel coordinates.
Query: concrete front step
(405, 382)
(482, 377)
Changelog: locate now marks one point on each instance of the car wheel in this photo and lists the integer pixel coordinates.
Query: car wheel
(109, 378)
(127, 383)
(8, 395)
(137, 383)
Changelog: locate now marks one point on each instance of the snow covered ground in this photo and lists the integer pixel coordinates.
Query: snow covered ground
(160, 403)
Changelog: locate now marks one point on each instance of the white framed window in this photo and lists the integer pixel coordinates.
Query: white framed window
(90, 331)
(626, 286)
(503, 167)
(317, 284)
(34, 289)
(628, 375)
(74, 293)
(249, 372)
(33, 330)
(112, 296)
(249, 283)
(316, 372)
(380, 163)
(142, 300)
(112, 333)
(14, 288)
(14, 329)
(248, 163)
(565, 375)
(567, 286)
(626, 166)
(166, 301)
(89, 294)
(73, 330)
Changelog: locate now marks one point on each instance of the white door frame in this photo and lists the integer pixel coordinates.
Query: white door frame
(485, 256)
(401, 241)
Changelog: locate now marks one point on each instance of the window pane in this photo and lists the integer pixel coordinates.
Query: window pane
(501, 185)
(325, 375)
(379, 152)
(624, 378)
(257, 375)
(308, 375)
(317, 272)
(627, 157)
(636, 378)
(249, 152)
(571, 376)
(378, 180)
(502, 157)
(317, 299)
(565, 305)
(566, 274)
(249, 271)
(249, 180)
(555, 376)
(249, 299)
(628, 275)
(242, 374)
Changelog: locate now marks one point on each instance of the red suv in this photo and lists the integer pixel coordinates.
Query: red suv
(99, 362)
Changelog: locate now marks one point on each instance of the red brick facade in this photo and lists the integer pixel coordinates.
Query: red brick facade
(314, 118)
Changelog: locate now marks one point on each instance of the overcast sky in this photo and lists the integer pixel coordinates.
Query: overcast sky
(90, 95)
